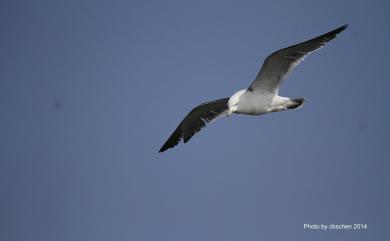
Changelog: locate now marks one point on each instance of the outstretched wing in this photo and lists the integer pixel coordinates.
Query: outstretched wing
(195, 121)
(279, 64)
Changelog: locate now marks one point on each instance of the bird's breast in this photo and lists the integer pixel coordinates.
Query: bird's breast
(252, 103)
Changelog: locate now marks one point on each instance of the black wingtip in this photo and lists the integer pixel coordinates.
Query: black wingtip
(332, 34)
(340, 29)
(163, 148)
(345, 26)
(173, 140)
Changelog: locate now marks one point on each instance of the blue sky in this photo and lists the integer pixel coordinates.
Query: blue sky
(90, 90)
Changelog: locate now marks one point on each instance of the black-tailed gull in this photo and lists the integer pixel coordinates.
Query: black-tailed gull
(262, 95)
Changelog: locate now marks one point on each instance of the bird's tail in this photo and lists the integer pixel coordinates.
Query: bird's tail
(296, 103)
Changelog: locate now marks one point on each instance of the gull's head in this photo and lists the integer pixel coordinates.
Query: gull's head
(234, 101)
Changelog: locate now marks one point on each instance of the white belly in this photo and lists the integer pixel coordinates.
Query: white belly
(255, 104)
(259, 104)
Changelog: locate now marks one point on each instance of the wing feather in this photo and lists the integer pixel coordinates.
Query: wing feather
(195, 120)
(281, 63)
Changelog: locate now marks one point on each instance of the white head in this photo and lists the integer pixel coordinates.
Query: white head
(234, 101)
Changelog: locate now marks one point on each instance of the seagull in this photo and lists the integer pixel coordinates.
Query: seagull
(260, 98)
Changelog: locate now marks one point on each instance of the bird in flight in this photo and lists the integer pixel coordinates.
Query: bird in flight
(260, 98)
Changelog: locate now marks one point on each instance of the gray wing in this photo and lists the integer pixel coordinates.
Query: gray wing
(195, 121)
(279, 64)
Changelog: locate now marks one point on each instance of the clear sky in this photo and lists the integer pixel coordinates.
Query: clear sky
(90, 90)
